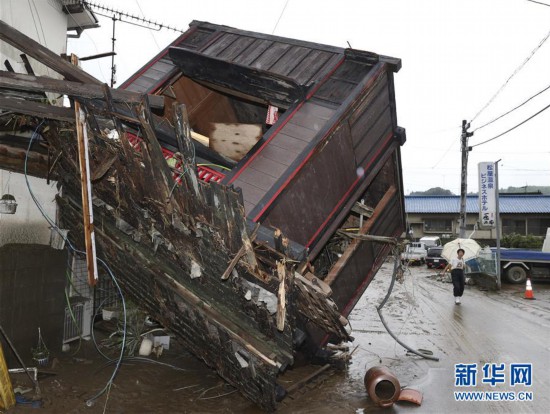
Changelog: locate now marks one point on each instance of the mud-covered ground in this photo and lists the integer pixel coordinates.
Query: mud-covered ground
(489, 327)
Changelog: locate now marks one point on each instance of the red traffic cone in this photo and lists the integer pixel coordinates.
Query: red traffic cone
(529, 290)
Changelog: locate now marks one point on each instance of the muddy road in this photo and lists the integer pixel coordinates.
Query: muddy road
(489, 327)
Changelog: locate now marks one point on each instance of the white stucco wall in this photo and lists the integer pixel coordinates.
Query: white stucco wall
(45, 22)
(27, 225)
(41, 20)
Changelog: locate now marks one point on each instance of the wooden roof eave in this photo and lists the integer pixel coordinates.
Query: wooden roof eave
(270, 87)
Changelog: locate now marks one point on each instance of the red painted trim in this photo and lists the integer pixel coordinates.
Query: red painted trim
(158, 57)
(345, 196)
(330, 131)
(283, 123)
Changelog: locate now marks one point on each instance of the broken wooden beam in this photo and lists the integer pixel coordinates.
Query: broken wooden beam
(362, 209)
(44, 55)
(31, 83)
(86, 187)
(281, 296)
(348, 253)
(13, 150)
(245, 249)
(307, 379)
(38, 109)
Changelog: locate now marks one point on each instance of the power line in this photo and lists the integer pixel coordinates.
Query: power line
(513, 109)
(514, 127)
(539, 2)
(280, 16)
(151, 33)
(444, 155)
(520, 67)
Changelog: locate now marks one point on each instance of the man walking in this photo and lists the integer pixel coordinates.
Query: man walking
(456, 266)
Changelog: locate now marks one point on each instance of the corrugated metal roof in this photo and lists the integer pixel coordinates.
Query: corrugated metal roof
(513, 204)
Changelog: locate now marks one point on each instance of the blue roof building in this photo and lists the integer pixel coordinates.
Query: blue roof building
(438, 215)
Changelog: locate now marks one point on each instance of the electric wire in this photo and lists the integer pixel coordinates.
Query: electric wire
(93, 43)
(539, 2)
(151, 33)
(513, 109)
(514, 127)
(516, 71)
(280, 17)
(444, 155)
(90, 401)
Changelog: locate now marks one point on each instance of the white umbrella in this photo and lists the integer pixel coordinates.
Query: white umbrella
(470, 247)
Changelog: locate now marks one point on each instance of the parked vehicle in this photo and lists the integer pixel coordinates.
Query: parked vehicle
(434, 260)
(430, 241)
(519, 264)
(414, 254)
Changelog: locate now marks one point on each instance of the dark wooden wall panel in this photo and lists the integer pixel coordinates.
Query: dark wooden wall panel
(272, 163)
(374, 138)
(309, 198)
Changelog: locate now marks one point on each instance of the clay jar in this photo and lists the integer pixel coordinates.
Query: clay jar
(382, 386)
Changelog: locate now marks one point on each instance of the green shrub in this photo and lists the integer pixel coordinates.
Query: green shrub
(515, 240)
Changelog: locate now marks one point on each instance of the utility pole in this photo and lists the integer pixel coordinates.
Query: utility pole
(464, 148)
(497, 205)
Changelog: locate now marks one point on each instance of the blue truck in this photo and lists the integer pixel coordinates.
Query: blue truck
(519, 264)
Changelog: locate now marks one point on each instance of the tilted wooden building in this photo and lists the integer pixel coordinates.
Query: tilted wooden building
(282, 149)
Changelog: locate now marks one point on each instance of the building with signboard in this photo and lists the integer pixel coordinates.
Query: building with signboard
(438, 215)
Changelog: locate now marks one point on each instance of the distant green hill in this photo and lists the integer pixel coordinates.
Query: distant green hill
(436, 191)
(527, 189)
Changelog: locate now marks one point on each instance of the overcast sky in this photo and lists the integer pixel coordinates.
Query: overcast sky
(456, 54)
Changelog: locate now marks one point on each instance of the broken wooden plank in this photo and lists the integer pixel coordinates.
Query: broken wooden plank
(274, 88)
(44, 55)
(8, 66)
(362, 209)
(281, 295)
(27, 64)
(32, 83)
(38, 109)
(307, 379)
(103, 167)
(335, 270)
(87, 212)
(13, 150)
(245, 249)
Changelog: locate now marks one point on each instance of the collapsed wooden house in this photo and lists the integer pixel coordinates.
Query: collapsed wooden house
(225, 174)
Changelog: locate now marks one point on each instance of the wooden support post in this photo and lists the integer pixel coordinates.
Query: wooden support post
(87, 212)
(281, 296)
